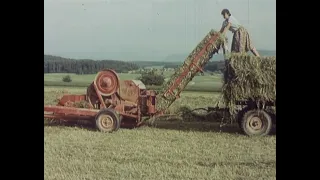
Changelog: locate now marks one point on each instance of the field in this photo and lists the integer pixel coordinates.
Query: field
(205, 83)
(171, 150)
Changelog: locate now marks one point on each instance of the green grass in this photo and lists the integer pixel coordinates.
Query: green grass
(150, 153)
(199, 83)
(175, 150)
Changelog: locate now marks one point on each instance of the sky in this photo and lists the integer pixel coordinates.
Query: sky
(147, 29)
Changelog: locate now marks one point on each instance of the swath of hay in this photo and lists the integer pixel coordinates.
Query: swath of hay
(248, 77)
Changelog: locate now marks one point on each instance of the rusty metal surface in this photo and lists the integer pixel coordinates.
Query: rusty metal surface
(92, 96)
(68, 117)
(139, 84)
(151, 103)
(62, 111)
(71, 110)
(107, 91)
(106, 82)
(129, 91)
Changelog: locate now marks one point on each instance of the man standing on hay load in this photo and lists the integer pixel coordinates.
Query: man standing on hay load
(241, 42)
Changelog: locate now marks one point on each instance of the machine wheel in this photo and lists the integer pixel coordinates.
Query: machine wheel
(107, 120)
(256, 123)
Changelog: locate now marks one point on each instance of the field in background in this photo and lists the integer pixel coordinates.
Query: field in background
(205, 83)
(175, 150)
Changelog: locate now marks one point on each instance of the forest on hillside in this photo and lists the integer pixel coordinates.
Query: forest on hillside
(56, 64)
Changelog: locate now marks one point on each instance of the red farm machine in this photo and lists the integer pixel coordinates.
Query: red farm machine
(113, 103)
(110, 102)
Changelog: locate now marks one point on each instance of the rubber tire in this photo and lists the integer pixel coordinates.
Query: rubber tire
(266, 123)
(115, 117)
(241, 114)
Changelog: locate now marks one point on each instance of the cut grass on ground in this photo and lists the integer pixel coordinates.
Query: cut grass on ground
(149, 153)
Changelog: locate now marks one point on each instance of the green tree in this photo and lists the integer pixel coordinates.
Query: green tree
(151, 78)
(67, 78)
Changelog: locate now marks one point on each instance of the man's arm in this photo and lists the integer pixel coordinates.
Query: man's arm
(222, 27)
(223, 30)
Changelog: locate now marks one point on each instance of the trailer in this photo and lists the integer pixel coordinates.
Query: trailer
(113, 103)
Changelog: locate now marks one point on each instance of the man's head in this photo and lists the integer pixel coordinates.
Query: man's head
(225, 13)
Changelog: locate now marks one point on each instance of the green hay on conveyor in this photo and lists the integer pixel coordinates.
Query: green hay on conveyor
(163, 102)
(249, 78)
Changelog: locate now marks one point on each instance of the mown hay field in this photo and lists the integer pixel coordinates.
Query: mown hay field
(171, 150)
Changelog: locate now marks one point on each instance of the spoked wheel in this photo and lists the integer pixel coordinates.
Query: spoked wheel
(107, 120)
(256, 123)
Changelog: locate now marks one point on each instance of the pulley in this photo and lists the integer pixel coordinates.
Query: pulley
(107, 82)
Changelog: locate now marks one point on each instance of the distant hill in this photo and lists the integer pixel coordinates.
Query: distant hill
(84, 66)
(155, 63)
(175, 60)
(216, 57)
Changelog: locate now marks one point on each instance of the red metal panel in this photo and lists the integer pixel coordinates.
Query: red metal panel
(71, 110)
(68, 117)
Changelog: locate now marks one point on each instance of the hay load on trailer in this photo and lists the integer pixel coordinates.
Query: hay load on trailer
(249, 91)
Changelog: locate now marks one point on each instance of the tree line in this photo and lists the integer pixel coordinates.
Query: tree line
(210, 66)
(56, 64)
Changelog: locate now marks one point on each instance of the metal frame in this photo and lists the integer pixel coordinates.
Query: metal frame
(186, 70)
(61, 111)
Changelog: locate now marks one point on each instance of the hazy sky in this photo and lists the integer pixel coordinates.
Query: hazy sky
(147, 29)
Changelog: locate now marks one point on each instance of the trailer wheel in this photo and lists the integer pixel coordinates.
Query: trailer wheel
(107, 120)
(256, 123)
